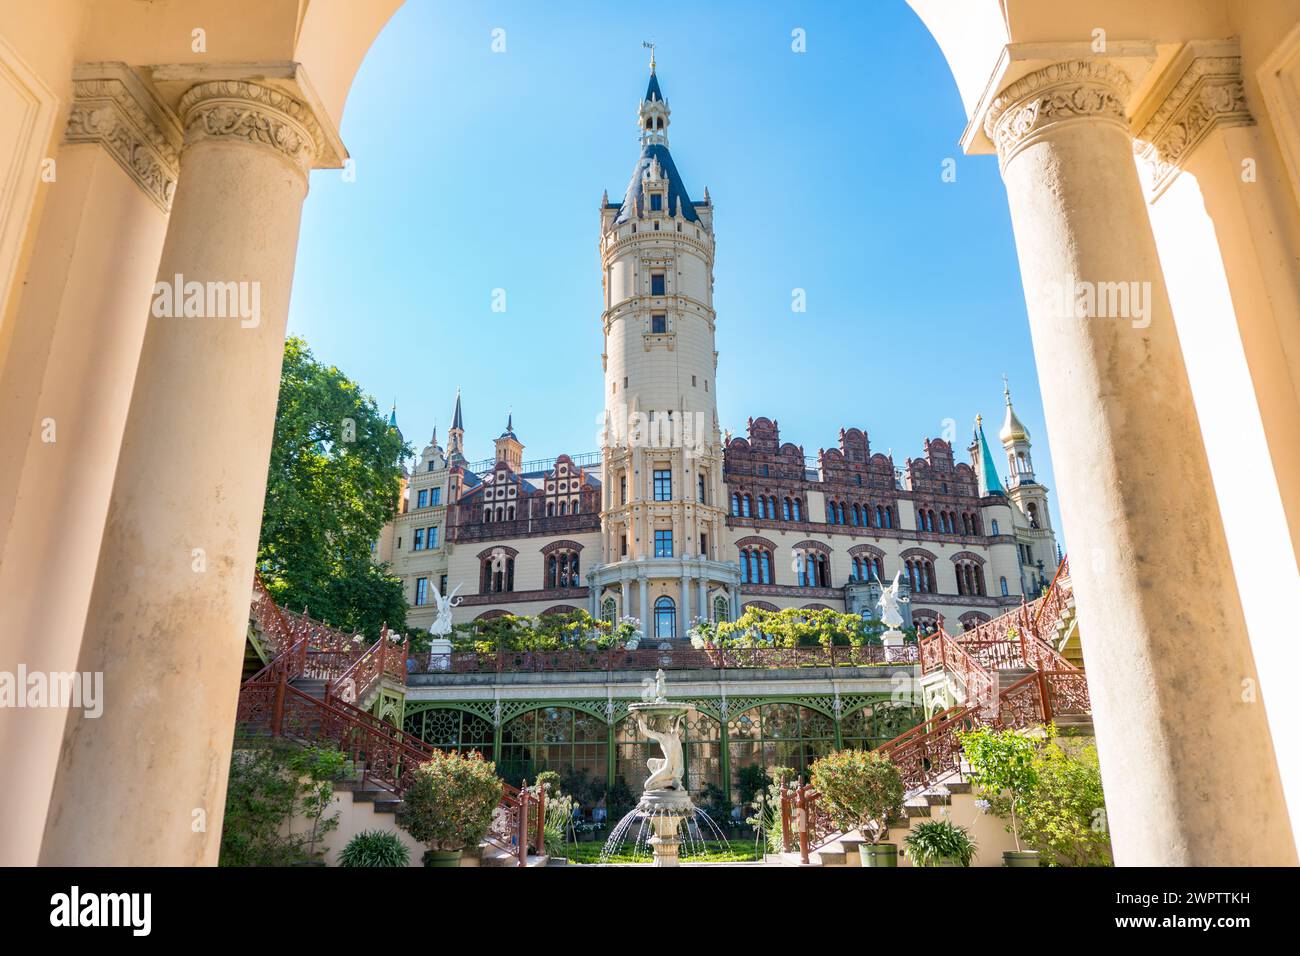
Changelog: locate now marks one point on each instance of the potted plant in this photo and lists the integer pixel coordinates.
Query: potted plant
(939, 843)
(375, 848)
(1003, 764)
(861, 790)
(449, 804)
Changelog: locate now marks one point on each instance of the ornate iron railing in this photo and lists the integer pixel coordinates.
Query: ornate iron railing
(930, 752)
(678, 657)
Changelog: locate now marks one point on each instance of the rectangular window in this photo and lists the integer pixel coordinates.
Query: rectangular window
(422, 500)
(656, 202)
(700, 489)
(624, 546)
(656, 283)
(663, 544)
(430, 468)
(663, 484)
(442, 584)
(433, 537)
(622, 489)
(418, 544)
(704, 545)
(659, 324)
(421, 591)
(435, 497)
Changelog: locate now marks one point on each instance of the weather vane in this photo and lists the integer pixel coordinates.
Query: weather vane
(650, 45)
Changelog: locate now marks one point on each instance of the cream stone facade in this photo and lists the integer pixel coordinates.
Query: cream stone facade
(673, 520)
(1153, 143)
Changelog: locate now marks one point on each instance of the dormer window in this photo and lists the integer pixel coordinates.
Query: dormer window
(656, 202)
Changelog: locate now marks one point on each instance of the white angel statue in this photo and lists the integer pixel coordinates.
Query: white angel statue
(441, 625)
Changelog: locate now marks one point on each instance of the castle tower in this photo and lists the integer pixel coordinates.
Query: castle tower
(662, 513)
(456, 435)
(508, 446)
(1029, 499)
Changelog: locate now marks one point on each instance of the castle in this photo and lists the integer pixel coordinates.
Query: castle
(674, 520)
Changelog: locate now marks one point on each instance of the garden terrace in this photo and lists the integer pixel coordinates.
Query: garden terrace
(651, 659)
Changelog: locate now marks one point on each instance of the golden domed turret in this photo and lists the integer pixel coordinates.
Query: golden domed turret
(1013, 429)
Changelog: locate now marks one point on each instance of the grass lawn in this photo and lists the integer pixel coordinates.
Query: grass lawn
(715, 851)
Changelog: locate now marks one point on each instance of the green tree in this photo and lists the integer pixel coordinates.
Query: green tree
(334, 480)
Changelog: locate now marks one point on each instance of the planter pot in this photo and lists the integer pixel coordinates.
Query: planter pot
(442, 857)
(878, 854)
(1020, 858)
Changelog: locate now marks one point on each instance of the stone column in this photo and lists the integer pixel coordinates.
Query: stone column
(1168, 659)
(686, 600)
(145, 783)
(625, 610)
(704, 611)
(647, 625)
(66, 390)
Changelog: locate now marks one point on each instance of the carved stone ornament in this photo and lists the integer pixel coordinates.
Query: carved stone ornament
(1061, 92)
(239, 110)
(108, 112)
(1208, 94)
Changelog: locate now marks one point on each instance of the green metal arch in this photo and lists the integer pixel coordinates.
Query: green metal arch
(468, 707)
(510, 709)
(735, 709)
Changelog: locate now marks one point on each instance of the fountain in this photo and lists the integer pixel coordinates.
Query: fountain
(665, 802)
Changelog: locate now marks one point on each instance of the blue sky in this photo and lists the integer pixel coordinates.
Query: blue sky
(477, 170)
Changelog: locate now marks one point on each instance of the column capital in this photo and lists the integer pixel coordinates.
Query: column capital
(1201, 91)
(1092, 89)
(240, 110)
(113, 108)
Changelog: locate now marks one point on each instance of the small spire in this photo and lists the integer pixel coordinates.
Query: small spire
(392, 415)
(457, 422)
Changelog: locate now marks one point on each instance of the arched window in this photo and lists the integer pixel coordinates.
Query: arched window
(785, 513)
(1033, 515)
(721, 609)
(550, 509)
(735, 505)
(665, 619)
(798, 508)
(995, 525)
(1003, 583)
(746, 506)
(857, 515)
(609, 610)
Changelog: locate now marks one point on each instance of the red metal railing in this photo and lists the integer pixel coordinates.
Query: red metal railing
(931, 751)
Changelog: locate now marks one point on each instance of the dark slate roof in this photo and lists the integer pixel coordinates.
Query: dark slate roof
(652, 92)
(676, 188)
(456, 420)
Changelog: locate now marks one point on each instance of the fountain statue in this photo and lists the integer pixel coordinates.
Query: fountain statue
(665, 802)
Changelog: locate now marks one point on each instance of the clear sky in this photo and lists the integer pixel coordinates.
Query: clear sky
(478, 170)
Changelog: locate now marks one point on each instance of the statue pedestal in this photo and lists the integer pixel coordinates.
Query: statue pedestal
(892, 638)
(666, 810)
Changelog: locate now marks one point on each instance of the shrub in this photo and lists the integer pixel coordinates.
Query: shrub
(1064, 816)
(1002, 765)
(751, 780)
(860, 790)
(375, 848)
(320, 766)
(449, 804)
(934, 841)
(265, 787)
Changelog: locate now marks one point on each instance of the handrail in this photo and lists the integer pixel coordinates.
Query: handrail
(930, 752)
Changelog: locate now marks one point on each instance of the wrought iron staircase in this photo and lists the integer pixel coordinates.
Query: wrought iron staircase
(1005, 673)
